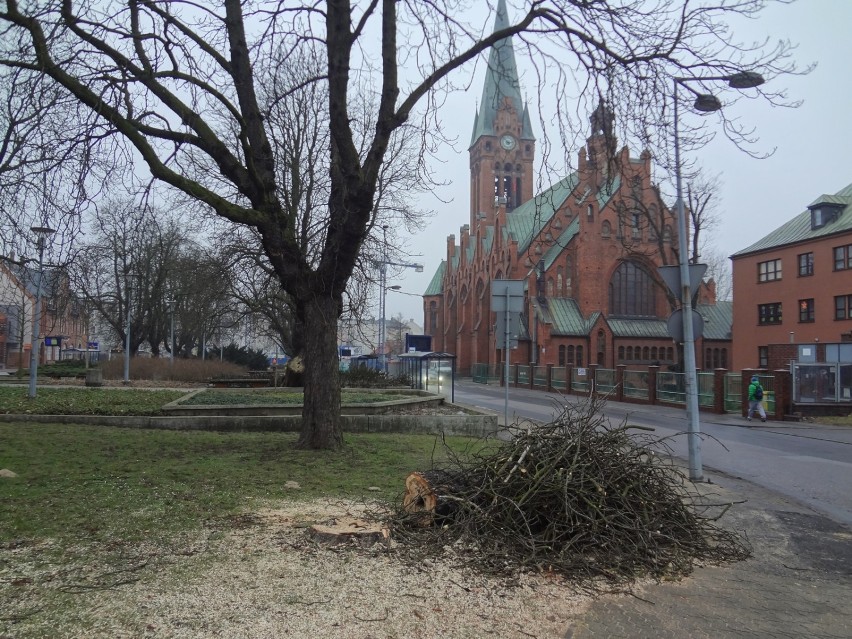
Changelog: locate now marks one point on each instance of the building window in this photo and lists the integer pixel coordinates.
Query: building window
(769, 271)
(769, 313)
(806, 310)
(606, 228)
(580, 356)
(842, 257)
(562, 355)
(636, 225)
(843, 307)
(806, 264)
(620, 353)
(631, 291)
(569, 358)
(763, 357)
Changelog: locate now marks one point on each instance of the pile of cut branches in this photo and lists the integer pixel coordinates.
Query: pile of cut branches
(577, 496)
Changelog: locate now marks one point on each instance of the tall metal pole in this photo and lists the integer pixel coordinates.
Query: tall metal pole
(172, 337)
(35, 342)
(127, 339)
(506, 364)
(696, 472)
(383, 280)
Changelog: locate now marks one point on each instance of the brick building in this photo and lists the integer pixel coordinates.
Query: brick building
(587, 249)
(793, 288)
(61, 316)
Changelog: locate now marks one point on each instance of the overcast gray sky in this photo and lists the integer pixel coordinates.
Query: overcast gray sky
(812, 145)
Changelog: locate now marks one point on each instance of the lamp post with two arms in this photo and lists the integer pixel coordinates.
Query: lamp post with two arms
(705, 103)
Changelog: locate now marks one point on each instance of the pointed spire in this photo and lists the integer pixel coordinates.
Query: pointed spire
(501, 82)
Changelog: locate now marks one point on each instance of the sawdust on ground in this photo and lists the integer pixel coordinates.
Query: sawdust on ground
(264, 577)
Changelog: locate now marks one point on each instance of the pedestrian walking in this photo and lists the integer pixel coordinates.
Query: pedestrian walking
(755, 399)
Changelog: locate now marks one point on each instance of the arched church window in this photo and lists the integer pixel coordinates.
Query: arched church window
(606, 229)
(667, 234)
(590, 211)
(631, 291)
(550, 287)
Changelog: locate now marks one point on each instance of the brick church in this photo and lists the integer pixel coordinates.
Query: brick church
(587, 249)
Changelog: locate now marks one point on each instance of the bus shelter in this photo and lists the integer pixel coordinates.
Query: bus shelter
(430, 371)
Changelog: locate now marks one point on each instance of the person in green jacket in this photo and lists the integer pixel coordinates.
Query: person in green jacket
(755, 399)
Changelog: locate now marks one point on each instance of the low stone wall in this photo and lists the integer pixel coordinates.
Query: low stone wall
(469, 423)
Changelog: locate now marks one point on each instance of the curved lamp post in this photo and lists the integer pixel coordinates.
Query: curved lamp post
(42, 233)
(705, 103)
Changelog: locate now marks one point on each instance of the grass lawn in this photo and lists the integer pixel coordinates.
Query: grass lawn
(108, 484)
(85, 401)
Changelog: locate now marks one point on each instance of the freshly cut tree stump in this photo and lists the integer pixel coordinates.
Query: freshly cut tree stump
(427, 493)
(349, 529)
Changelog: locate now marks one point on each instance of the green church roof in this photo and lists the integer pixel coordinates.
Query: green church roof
(563, 314)
(526, 221)
(501, 81)
(718, 319)
(640, 328)
(436, 285)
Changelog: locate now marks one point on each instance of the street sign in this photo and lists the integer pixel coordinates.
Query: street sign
(675, 325)
(93, 346)
(511, 289)
(53, 340)
(514, 330)
(671, 276)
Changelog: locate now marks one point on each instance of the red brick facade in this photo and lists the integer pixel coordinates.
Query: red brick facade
(788, 285)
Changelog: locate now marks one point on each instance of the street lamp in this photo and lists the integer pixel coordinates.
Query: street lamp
(705, 103)
(171, 306)
(42, 233)
(127, 335)
(382, 265)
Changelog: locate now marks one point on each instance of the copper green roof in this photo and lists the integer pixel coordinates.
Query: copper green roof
(718, 319)
(639, 328)
(563, 314)
(501, 81)
(526, 221)
(608, 189)
(561, 242)
(799, 228)
(436, 285)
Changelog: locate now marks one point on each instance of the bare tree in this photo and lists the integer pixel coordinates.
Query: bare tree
(130, 263)
(180, 84)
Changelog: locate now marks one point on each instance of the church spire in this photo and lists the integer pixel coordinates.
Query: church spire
(501, 82)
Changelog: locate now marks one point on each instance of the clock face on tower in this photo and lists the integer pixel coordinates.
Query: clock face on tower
(507, 142)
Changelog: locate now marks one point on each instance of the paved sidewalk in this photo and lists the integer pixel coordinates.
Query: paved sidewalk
(798, 583)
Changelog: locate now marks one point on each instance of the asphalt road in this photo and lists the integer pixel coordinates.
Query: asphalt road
(809, 463)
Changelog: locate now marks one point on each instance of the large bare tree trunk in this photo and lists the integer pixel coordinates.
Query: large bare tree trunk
(321, 427)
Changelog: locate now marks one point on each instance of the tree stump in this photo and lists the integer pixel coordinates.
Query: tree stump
(427, 495)
(349, 529)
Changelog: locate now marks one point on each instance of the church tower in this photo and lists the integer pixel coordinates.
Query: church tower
(502, 146)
